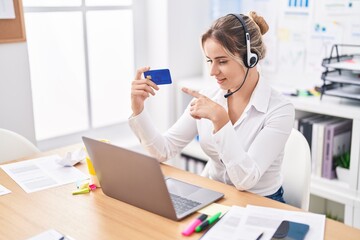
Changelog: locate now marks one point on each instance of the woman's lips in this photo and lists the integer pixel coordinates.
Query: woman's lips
(220, 81)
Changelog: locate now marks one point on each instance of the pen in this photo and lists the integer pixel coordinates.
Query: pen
(259, 237)
(191, 227)
(208, 222)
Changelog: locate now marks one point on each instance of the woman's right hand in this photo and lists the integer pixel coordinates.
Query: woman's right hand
(141, 88)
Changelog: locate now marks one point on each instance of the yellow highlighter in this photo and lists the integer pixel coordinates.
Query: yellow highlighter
(81, 191)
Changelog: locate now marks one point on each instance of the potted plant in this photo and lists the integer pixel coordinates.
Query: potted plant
(342, 163)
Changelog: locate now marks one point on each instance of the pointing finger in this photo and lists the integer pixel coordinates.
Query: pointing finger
(193, 93)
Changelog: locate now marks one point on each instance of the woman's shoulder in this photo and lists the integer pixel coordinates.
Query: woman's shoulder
(278, 97)
(280, 104)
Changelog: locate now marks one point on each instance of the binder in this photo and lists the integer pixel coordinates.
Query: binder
(305, 126)
(317, 147)
(337, 137)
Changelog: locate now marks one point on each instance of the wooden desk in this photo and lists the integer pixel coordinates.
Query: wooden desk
(96, 216)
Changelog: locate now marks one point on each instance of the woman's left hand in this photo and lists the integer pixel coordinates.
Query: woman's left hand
(203, 107)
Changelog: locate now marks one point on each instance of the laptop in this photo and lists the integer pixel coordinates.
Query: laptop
(137, 179)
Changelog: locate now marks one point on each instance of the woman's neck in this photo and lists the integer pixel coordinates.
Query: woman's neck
(246, 91)
(239, 100)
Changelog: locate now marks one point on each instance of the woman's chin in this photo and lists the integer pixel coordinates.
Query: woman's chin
(222, 86)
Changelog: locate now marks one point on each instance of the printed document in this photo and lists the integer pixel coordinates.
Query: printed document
(4, 190)
(255, 222)
(42, 173)
(232, 227)
(51, 234)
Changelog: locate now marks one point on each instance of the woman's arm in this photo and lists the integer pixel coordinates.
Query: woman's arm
(167, 145)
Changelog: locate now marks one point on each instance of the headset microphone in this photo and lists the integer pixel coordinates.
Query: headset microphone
(231, 93)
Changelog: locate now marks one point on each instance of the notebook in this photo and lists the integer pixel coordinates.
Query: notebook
(137, 179)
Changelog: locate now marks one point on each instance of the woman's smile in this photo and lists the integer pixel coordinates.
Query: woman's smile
(220, 81)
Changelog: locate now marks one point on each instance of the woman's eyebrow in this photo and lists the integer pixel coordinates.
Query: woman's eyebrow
(219, 57)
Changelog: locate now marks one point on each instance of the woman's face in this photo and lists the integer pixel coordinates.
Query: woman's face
(228, 72)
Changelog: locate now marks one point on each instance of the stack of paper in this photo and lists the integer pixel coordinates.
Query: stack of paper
(255, 222)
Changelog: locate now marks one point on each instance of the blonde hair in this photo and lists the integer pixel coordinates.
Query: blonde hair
(229, 32)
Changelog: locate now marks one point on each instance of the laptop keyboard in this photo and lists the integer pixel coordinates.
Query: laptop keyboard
(182, 204)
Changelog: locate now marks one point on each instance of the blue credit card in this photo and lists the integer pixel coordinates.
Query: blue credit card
(160, 76)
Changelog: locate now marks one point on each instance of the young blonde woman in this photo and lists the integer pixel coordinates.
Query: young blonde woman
(242, 124)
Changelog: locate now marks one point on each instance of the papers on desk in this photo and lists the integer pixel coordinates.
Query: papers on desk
(4, 190)
(72, 158)
(250, 222)
(51, 234)
(42, 173)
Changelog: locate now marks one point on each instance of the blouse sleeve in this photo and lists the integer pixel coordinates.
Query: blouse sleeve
(167, 145)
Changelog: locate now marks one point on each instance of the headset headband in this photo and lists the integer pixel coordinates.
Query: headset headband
(251, 59)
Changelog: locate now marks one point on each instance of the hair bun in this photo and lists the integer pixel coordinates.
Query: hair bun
(260, 21)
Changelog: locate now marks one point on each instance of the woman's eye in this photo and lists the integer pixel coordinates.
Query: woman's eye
(223, 62)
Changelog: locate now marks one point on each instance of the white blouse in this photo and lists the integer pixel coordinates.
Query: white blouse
(247, 154)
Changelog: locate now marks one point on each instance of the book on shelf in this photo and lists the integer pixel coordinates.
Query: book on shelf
(337, 138)
(318, 143)
(305, 126)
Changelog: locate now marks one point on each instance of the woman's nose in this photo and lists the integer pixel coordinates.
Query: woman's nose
(214, 70)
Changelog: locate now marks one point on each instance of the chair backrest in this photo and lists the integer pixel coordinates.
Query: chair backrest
(296, 170)
(13, 146)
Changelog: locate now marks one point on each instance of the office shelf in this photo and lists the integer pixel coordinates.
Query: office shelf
(335, 190)
(351, 92)
(346, 78)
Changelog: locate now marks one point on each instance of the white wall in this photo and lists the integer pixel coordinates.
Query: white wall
(170, 38)
(174, 31)
(16, 110)
(188, 20)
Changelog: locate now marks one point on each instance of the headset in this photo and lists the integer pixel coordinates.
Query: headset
(250, 60)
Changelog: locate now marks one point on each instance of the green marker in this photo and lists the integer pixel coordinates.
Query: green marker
(207, 222)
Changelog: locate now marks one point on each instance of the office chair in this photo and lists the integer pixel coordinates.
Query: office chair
(296, 170)
(13, 146)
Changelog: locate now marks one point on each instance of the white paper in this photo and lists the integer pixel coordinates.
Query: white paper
(249, 223)
(50, 235)
(72, 158)
(7, 9)
(231, 227)
(4, 190)
(272, 217)
(42, 173)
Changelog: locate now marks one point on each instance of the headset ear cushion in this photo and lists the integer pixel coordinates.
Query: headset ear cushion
(253, 60)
